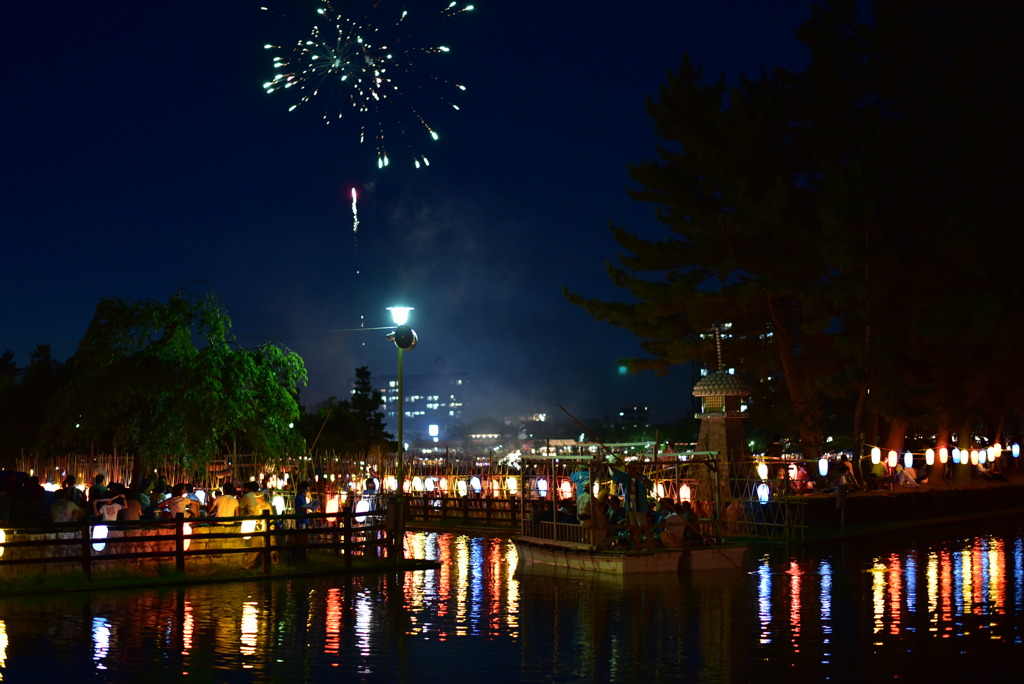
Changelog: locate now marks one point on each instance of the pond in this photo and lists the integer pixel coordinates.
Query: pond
(934, 604)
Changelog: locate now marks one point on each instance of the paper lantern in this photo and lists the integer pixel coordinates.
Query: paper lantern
(684, 493)
(876, 455)
(974, 457)
(249, 526)
(186, 529)
(332, 506)
(429, 484)
(943, 455)
(512, 484)
(929, 457)
(908, 460)
(462, 487)
(363, 507)
(823, 466)
(762, 493)
(1015, 450)
(542, 488)
(956, 455)
(762, 470)
(99, 532)
(893, 457)
(3, 540)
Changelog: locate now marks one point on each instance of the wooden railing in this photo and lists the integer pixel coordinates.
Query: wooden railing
(187, 541)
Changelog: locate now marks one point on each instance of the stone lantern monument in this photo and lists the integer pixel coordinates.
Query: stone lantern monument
(721, 419)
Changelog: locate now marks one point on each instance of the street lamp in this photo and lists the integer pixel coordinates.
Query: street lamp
(404, 338)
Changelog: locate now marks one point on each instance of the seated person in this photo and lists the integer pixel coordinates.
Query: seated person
(567, 513)
(178, 503)
(903, 478)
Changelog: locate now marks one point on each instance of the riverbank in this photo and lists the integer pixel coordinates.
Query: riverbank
(167, 577)
(881, 511)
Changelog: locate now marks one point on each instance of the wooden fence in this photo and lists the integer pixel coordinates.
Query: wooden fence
(190, 542)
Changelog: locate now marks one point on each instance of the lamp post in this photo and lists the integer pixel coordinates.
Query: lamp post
(404, 338)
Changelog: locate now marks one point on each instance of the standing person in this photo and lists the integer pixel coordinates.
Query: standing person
(636, 485)
(304, 505)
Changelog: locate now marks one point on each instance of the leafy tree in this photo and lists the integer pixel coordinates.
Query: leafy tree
(832, 217)
(367, 407)
(353, 426)
(24, 397)
(167, 379)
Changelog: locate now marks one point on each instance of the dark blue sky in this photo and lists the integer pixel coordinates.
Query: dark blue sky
(141, 154)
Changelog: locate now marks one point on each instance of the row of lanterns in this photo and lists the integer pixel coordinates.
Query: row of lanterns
(964, 456)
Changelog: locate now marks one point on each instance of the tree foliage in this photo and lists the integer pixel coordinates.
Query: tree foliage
(351, 426)
(847, 220)
(167, 379)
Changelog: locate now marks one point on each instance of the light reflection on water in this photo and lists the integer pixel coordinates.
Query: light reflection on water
(869, 609)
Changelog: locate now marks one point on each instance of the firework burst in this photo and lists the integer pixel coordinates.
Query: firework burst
(375, 68)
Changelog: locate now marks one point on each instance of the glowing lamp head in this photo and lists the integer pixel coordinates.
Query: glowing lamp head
(400, 314)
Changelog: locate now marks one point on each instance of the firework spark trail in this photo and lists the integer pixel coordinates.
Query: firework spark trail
(355, 215)
(367, 66)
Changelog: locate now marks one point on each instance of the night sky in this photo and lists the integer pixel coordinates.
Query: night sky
(142, 154)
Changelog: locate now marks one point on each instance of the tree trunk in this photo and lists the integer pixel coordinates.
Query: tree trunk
(804, 402)
(937, 475)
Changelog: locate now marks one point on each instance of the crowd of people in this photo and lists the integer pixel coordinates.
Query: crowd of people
(24, 501)
(628, 519)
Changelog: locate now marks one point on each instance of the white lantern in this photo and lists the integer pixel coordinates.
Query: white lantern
(186, 529)
(956, 455)
(762, 493)
(512, 484)
(929, 457)
(362, 507)
(249, 526)
(876, 455)
(974, 457)
(99, 532)
(762, 470)
(893, 457)
(1015, 450)
(684, 493)
(943, 455)
(908, 460)
(823, 466)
